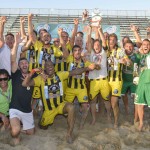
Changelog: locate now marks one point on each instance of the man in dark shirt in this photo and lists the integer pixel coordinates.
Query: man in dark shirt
(20, 106)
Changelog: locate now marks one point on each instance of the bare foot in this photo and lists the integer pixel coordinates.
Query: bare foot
(69, 139)
(135, 121)
(116, 125)
(15, 142)
(108, 118)
(140, 127)
(93, 122)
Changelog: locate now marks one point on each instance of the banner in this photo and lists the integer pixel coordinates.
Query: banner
(52, 29)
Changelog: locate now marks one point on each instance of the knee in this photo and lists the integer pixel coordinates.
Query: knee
(15, 131)
(70, 108)
(85, 106)
(30, 132)
(114, 105)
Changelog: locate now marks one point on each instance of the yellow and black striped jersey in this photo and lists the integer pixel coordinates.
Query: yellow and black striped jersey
(78, 81)
(38, 55)
(114, 66)
(51, 89)
(61, 64)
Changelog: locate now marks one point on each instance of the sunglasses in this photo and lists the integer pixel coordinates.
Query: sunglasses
(3, 79)
(56, 41)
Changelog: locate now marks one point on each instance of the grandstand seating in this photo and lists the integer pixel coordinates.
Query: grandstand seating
(13, 22)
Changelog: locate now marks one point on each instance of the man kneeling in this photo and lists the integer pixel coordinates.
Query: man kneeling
(51, 87)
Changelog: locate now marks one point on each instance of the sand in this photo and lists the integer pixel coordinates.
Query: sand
(101, 136)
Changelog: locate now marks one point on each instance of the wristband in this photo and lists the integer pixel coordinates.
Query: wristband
(32, 71)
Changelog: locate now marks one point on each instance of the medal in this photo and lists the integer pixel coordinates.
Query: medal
(28, 88)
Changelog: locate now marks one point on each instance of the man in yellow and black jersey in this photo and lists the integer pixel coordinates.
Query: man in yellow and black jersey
(43, 50)
(116, 59)
(61, 64)
(50, 84)
(66, 43)
(65, 39)
(76, 84)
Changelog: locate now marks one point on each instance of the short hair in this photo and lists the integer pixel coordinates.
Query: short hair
(146, 40)
(128, 41)
(79, 32)
(106, 32)
(4, 71)
(9, 33)
(23, 58)
(65, 32)
(75, 46)
(97, 40)
(42, 29)
(125, 37)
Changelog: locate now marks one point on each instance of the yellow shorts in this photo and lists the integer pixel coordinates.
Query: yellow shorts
(49, 115)
(116, 87)
(99, 86)
(36, 93)
(81, 94)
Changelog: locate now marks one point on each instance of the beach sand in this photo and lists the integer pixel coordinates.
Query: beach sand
(101, 136)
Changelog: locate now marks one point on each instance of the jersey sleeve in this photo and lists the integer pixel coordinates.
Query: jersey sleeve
(63, 75)
(57, 52)
(87, 63)
(37, 81)
(37, 45)
(69, 59)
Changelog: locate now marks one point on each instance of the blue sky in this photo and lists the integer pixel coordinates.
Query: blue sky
(78, 4)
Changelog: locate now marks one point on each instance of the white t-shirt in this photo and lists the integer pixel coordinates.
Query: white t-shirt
(5, 56)
(86, 54)
(100, 59)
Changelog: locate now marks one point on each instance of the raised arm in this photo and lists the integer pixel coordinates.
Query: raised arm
(14, 64)
(27, 45)
(89, 45)
(22, 29)
(63, 45)
(100, 31)
(2, 23)
(137, 36)
(74, 33)
(30, 29)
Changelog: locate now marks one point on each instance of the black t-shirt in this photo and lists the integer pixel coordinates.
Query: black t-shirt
(21, 96)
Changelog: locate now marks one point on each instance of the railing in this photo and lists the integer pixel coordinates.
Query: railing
(69, 12)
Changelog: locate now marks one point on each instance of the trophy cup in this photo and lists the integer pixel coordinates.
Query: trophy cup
(96, 17)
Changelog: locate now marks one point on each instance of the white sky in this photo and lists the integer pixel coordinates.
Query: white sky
(78, 4)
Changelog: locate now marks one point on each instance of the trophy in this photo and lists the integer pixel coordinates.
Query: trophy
(96, 17)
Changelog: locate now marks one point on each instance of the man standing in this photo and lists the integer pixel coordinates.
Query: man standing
(98, 78)
(76, 86)
(116, 60)
(127, 75)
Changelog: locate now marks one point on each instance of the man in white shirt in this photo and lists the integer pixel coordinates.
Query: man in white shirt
(98, 78)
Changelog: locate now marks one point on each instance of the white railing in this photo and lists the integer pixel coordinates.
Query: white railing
(69, 12)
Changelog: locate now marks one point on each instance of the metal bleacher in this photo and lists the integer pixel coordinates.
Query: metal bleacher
(55, 16)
